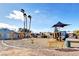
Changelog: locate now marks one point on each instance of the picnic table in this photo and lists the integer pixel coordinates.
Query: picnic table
(69, 40)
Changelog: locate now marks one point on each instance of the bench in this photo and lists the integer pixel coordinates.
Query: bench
(69, 40)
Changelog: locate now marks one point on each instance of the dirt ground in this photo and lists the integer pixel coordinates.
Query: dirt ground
(40, 52)
(37, 47)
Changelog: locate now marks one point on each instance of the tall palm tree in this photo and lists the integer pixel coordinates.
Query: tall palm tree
(23, 11)
(29, 16)
(25, 16)
(25, 22)
(25, 19)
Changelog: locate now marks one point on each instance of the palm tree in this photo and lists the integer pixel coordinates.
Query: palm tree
(29, 16)
(22, 10)
(25, 22)
(25, 16)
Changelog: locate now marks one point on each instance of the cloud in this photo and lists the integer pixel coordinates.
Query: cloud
(17, 15)
(11, 27)
(36, 11)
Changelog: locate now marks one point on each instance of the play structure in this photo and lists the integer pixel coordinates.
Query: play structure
(58, 34)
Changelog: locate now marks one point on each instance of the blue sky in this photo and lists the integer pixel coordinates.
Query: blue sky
(43, 15)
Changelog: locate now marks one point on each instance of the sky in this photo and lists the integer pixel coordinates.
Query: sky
(44, 15)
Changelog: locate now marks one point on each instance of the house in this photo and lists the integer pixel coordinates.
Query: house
(8, 34)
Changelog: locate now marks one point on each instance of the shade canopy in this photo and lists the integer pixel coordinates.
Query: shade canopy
(60, 24)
